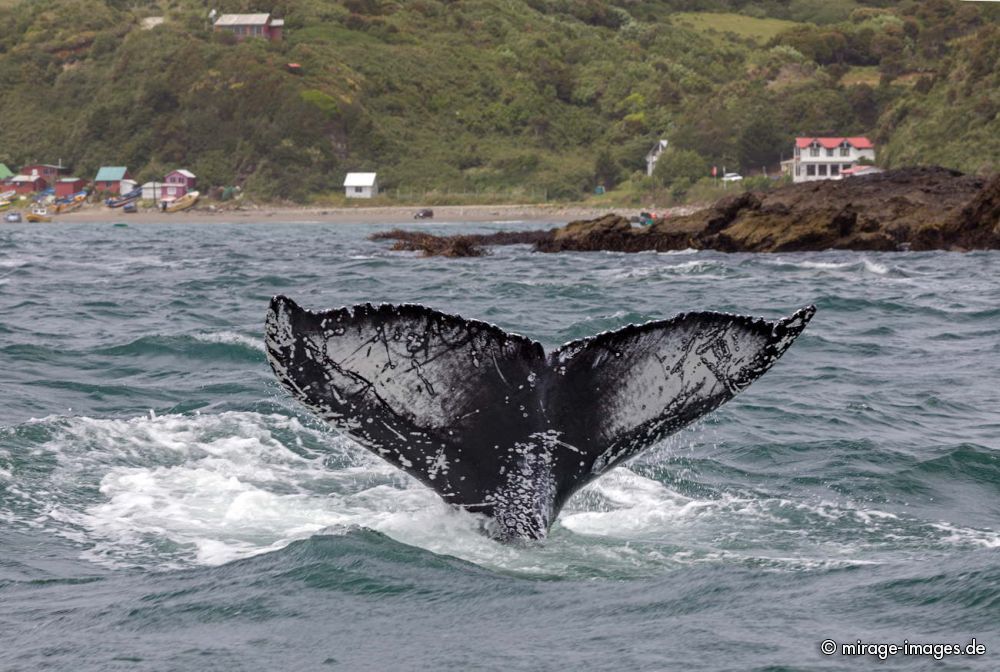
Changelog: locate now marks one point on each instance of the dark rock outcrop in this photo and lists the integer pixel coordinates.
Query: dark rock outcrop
(914, 208)
(911, 208)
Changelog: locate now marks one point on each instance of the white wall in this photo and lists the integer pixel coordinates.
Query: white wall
(361, 192)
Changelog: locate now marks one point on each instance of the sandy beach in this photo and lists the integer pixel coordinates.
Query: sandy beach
(555, 214)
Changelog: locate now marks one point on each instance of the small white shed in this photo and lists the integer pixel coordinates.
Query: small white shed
(361, 185)
(154, 191)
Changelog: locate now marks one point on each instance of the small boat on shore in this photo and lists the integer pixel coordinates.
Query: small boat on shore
(39, 214)
(12, 218)
(129, 197)
(182, 203)
(69, 203)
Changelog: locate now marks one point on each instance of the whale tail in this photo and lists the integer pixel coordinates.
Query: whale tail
(489, 420)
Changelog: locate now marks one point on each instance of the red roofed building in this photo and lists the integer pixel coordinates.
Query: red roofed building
(47, 171)
(826, 158)
(178, 183)
(67, 186)
(27, 184)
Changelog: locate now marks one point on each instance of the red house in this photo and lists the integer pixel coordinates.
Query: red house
(178, 183)
(250, 25)
(110, 179)
(44, 170)
(27, 184)
(67, 186)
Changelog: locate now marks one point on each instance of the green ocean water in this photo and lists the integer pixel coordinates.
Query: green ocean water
(164, 505)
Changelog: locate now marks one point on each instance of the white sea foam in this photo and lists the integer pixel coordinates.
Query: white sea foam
(875, 267)
(231, 338)
(208, 489)
(697, 267)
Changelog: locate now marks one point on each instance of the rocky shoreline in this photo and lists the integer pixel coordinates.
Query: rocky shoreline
(907, 209)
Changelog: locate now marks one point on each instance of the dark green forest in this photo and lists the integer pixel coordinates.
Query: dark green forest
(468, 95)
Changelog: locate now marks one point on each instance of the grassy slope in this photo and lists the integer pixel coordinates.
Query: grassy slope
(469, 96)
(718, 24)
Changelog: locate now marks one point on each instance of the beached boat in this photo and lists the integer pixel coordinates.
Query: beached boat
(183, 203)
(12, 218)
(8, 195)
(38, 214)
(129, 197)
(70, 203)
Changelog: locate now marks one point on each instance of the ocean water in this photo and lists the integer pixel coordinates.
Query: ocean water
(164, 505)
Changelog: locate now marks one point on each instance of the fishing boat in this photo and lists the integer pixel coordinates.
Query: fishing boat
(39, 214)
(129, 197)
(8, 195)
(69, 203)
(182, 203)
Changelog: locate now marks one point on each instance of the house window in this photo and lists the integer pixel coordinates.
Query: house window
(810, 170)
(798, 152)
(358, 190)
(257, 30)
(814, 151)
(845, 150)
(834, 169)
(798, 170)
(829, 152)
(822, 170)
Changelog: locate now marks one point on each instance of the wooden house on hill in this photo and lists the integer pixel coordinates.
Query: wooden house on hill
(178, 183)
(47, 171)
(27, 184)
(250, 25)
(112, 179)
(67, 186)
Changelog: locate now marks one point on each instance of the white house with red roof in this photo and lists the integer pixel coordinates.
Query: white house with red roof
(828, 158)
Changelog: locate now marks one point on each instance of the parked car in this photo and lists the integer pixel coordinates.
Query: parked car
(425, 213)
(732, 177)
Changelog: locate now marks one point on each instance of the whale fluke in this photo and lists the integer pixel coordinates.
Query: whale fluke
(489, 420)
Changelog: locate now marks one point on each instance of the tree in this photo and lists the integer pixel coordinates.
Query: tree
(760, 143)
(678, 164)
(605, 170)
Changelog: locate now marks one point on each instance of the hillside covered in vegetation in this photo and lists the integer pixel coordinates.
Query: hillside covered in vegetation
(549, 97)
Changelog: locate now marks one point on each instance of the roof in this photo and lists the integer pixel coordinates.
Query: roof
(70, 179)
(859, 142)
(277, 23)
(360, 180)
(27, 178)
(154, 185)
(5, 172)
(181, 171)
(111, 174)
(243, 20)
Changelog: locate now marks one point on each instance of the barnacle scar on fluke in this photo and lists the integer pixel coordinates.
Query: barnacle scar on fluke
(493, 423)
